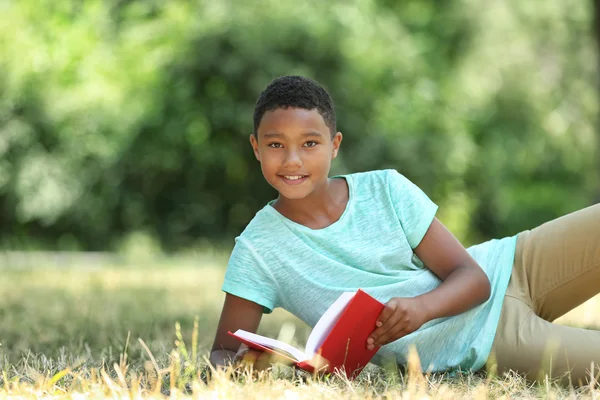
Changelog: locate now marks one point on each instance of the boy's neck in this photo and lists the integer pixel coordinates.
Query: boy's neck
(321, 209)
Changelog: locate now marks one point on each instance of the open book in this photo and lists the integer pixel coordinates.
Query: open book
(337, 341)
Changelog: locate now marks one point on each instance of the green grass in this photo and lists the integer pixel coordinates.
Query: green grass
(112, 331)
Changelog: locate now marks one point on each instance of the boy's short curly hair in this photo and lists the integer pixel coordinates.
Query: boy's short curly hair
(297, 92)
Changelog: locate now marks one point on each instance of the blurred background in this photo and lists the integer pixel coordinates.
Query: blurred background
(124, 131)
(129, 120)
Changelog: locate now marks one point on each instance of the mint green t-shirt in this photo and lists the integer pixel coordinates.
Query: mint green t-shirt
(279, 263)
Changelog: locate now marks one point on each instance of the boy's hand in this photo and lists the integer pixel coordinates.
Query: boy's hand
(400, 317)
(259, 360)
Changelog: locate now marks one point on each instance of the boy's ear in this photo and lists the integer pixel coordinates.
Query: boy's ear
(254, 143)
(337, 141)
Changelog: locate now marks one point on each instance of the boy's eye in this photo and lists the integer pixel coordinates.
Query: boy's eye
(311, 143)
(275, 145)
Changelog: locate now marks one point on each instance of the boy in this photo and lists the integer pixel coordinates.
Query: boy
(376, 231)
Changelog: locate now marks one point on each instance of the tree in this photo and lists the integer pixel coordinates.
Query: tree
(135, 116)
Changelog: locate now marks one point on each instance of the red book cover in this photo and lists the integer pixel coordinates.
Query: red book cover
(340, 336)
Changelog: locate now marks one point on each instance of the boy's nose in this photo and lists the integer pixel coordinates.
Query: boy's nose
(292, 158)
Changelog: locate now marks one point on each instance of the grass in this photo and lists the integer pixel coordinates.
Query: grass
(143, 331)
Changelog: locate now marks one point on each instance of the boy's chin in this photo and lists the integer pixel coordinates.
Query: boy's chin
(293, 194)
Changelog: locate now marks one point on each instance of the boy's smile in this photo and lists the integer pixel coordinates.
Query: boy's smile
(295, 149)
(294, 179)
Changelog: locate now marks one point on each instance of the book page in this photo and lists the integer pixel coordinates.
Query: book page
(272, 343)
(326, 323)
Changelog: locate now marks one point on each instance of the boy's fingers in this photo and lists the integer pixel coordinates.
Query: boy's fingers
(251, 356)
(243, 349)
(262, 361)
(389, 324)
(392, 334)
(384, 315)
(379, 331)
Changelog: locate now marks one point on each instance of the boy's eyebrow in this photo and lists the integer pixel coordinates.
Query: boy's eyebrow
(312, 133)
(272, 135)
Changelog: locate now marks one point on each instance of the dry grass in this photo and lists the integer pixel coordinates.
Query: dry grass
(144, 331)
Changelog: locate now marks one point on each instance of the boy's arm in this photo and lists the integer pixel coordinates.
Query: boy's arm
(237, 313)
(464, 284)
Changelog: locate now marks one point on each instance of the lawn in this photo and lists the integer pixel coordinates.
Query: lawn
(144, 330)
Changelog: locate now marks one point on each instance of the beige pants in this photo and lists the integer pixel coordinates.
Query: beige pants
(557, 268)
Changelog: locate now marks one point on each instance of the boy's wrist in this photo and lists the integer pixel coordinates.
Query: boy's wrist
(427, 310)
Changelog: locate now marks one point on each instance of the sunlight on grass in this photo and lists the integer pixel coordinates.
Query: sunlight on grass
(145, 331)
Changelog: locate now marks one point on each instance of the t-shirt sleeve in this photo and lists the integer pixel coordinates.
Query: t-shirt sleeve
(414, 209)
(248, 277)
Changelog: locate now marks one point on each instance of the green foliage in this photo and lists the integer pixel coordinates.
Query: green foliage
(130, 116)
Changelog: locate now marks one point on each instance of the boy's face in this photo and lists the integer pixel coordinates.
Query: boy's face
(295, 149)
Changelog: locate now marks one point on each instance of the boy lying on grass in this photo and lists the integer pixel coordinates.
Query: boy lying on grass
(461, 308)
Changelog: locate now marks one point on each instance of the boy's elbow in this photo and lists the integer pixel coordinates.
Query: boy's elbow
(222, 357)
(480, 283)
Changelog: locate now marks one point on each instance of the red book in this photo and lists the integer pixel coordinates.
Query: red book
(337, 342)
